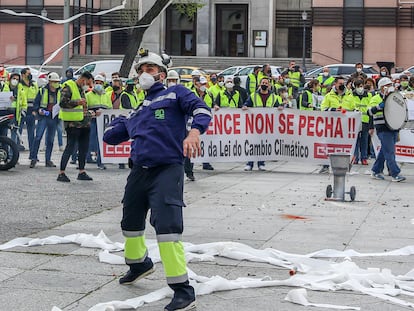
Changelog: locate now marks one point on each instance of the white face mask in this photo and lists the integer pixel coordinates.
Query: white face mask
(146, 80)
(14, 82)
(98, 88)
(203, 88)
(85, 87)
(359, 90)
(170, 84)
(325, 74)
(221, 83)
(138, 86)
(359, 69)
(390, 89)
(229, 85)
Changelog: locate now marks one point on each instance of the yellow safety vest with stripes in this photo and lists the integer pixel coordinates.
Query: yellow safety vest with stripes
(98, 101)
(76, 113)
(257, 100)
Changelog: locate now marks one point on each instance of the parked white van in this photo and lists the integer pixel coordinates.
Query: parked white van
(106, 66)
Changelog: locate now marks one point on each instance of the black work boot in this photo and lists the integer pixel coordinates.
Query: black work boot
(184, 297)
(137, 271)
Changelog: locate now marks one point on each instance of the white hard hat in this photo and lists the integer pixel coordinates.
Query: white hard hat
(152, 58)
(173, 75)
(196, 73)
(384, 81)
(99, 78)
(203, 80)
(53, 76)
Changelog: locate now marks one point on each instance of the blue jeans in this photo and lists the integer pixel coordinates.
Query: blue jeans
(29, 119)
(94, 143)
(387, 153)
(59, 130)
(42, 124)
(361, 147)
(259, 163)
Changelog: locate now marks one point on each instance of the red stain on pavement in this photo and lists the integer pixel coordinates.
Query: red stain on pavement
(289, 216)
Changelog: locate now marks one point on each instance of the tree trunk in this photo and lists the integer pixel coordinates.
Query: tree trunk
(135, 37)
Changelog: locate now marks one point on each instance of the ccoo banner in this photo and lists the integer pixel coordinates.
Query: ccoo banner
(235, 135)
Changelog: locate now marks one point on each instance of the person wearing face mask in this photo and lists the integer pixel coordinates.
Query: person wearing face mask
(384, 73)
(213, 80)
(296, 78)
(173, 78)
(195, 74)
(155, 183)
(44, 103)
(229, 98)
(370, 86)
(77, 118)
(203, 92)
(283, 100)
(404, 84)
(263, 97)
(387, 136)
(325, 80)
(252, 81)
(306, 99)
(361, 99)
(359, 73)
(31, 89)
(218, 87)
(336, 100)
(18, 105)
(115, 90)
(129, 98)
(96, 100)
(68, 75)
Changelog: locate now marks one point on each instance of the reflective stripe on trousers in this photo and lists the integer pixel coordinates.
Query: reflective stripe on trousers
(173, 257)
(135, 248)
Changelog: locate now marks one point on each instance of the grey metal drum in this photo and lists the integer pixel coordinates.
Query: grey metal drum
(395, 111)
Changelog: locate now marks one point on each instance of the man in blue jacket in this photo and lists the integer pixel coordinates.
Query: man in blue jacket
(160, 143)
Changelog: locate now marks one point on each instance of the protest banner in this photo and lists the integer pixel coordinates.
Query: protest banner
(112, 154)
(269, 134)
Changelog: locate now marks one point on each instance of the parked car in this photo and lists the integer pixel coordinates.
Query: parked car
(246, 70)
(106, 66)
(231, 71)
(40, 77)
(405, 71)
(185, 72)
(344, 70)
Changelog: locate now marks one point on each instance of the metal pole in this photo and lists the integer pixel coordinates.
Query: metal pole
(65, 61)
(304, 47)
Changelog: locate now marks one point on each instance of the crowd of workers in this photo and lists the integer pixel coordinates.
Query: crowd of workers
(33, 106)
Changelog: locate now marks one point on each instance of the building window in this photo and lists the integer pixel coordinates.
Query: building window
(231, 30)
(180, 33)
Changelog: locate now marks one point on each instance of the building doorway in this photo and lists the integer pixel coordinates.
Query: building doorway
(180, 33)
(231, 30)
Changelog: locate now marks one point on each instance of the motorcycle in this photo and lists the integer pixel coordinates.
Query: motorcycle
(9, 151)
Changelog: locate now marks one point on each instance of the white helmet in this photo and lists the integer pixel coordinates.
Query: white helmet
(99, 78)
(196, 73)
(384, 81)
(53, 77)
(152, 58)
(173, 75)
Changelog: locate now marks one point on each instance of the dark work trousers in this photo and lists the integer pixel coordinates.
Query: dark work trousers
(159, 189)
(188, 167)
(81, 137)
